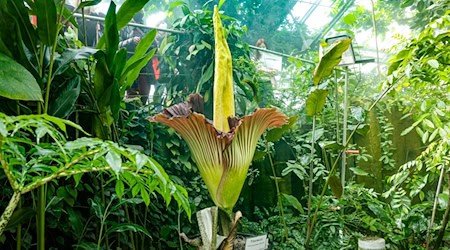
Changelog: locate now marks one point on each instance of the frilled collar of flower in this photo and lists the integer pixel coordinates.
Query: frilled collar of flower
(222, 149)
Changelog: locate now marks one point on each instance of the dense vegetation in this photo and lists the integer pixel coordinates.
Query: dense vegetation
(81, 166)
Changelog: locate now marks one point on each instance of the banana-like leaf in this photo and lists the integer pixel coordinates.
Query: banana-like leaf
(111, 35)
(16, 82)
(315, 102)
(47, 21)
(330, 59)
(64, 104)
(126, 12)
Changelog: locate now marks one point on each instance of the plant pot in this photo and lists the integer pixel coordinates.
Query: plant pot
(371, 243)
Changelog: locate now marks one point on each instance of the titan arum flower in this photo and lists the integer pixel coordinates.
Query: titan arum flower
(222, 150)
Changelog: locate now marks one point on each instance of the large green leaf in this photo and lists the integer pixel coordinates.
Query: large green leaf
(330, 59)
(47, 21)
(126, 12)
(315, 102)
(16, 82)
(69, 55)
(111, 34)
(64, 104)
(18, 10)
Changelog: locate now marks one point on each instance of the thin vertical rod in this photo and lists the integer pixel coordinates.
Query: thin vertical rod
(344, 128)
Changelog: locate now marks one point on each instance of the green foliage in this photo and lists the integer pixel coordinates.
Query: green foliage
(16, 82)
(330, 59)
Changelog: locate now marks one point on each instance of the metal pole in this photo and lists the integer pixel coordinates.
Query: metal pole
(344, 128)
(97, 18)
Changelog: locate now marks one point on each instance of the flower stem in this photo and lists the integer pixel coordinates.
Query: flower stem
(279, 201)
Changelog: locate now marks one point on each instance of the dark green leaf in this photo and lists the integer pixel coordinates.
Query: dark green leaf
(119, 62)
(16, 82)
(206, 76)
(132, 72)
(127, 11)
(330, 59)
(336, 186)
(69, 55)
(21, 215)
(85, 4)
(47, 21)
(120, 188)
(111, 35)
(97, 207)
(64, 104)
(18, 10)
(315, 102)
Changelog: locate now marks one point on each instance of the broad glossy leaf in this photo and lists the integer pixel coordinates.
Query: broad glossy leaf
(330, 59)
(64, 104)
(119, 62)
(132, 72)
(111, 35)
(315, 102)
(47, 21)
(16, 82)
(69, 55)
(18, 10)
(336, 186)
(126, 12)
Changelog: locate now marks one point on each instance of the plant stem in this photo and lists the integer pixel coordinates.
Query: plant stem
(436, 199)
(127, 214)
(310, 187)
(440, 236)
(333, 169)
(41, 218)
(279, 201)
(179, 229)
(9, 210)
(19, 232)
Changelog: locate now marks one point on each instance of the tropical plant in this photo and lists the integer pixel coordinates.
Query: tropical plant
(231, 142)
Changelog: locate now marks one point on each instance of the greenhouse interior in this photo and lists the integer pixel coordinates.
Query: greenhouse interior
(225, 124)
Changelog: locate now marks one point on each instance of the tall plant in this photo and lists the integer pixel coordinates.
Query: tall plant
(230, 141)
